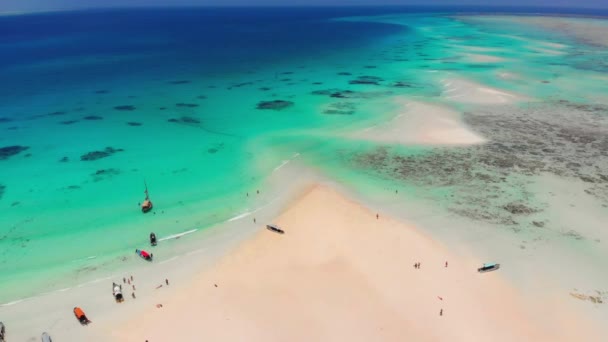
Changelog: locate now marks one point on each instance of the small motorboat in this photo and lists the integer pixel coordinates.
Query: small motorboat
(46, 337)
(275, 228)
(117, 292)
(153, 239)
(488, 268)
(80, 316)
(146, 205)
(145, 255)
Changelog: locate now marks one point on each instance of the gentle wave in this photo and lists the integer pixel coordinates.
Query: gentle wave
(238, 217)
(175, 236)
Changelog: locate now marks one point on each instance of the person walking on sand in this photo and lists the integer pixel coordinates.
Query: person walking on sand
(441, 312)
(167, 281)
(377, 216)
(446, 264)
(133, 295)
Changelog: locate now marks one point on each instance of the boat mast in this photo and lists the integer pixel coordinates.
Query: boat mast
(146, 192)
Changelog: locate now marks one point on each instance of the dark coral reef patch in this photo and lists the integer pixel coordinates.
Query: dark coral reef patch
(94, 155)
(9, 151)
(133, 123)
(186, 105)
(274, 105)
(373, 80)
(125, 108)
(92, 117)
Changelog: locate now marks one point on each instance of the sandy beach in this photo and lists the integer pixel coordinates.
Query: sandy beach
(341, 273)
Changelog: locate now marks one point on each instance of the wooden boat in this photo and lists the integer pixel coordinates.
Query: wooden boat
(275, 228)
(153, 239)
(146, 205)
(82, 318)
(488, 268)
(46, 337)
(145, 255)
(117, 293)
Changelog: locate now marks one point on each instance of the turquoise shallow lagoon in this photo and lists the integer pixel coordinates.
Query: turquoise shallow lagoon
(204, 104)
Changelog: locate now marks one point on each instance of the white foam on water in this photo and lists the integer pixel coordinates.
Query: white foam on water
(175, 236)
(238, 217)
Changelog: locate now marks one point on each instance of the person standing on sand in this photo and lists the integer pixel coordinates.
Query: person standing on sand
(133, 295)
(446, 264)
(167, 281)
(377, 216)
(441, 312)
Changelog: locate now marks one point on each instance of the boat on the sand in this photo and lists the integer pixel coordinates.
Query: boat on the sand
(488, 268)
(117, 292)
(46, 337)
(146, 205)
(145, 255)
(80, 316)
(153, 239)
(275, 228)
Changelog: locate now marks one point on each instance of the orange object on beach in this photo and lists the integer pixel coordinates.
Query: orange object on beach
(80, 315)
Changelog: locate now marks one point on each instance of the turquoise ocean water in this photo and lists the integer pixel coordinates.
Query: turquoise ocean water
(203, 104)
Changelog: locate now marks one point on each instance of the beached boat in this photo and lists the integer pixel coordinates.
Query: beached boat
(46, 337)
(80, 316)
(117, 292)
(145, 255)
(488, 268)
(146, 205)
(153, 239)
(275, 228)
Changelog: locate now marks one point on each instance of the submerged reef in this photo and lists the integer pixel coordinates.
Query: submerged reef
(350, 94)
(340, 108)
(490, 182)
(92, 117)
(68, 122)
(94, 155)
(125, 108)
(133, 123)
(104, 174)
(5, 120)
(2, 188)
(185, 120)
(274, 105)
(179, 82)
(9, 151)
(186, 105)
(58, 113)
(373, 80)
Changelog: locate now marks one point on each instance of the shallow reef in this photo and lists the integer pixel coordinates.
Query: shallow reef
(2, 189)
(133, 123)
(185, 120)
(179, 82)
(57, 113)
(186, 105)
(125, 108)
(340, 108)
(104, 174)
(94, 155)
(372, 80)
(274, 105)
(491, 182)
(92, 117)
(9, 151)
(68, 122)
